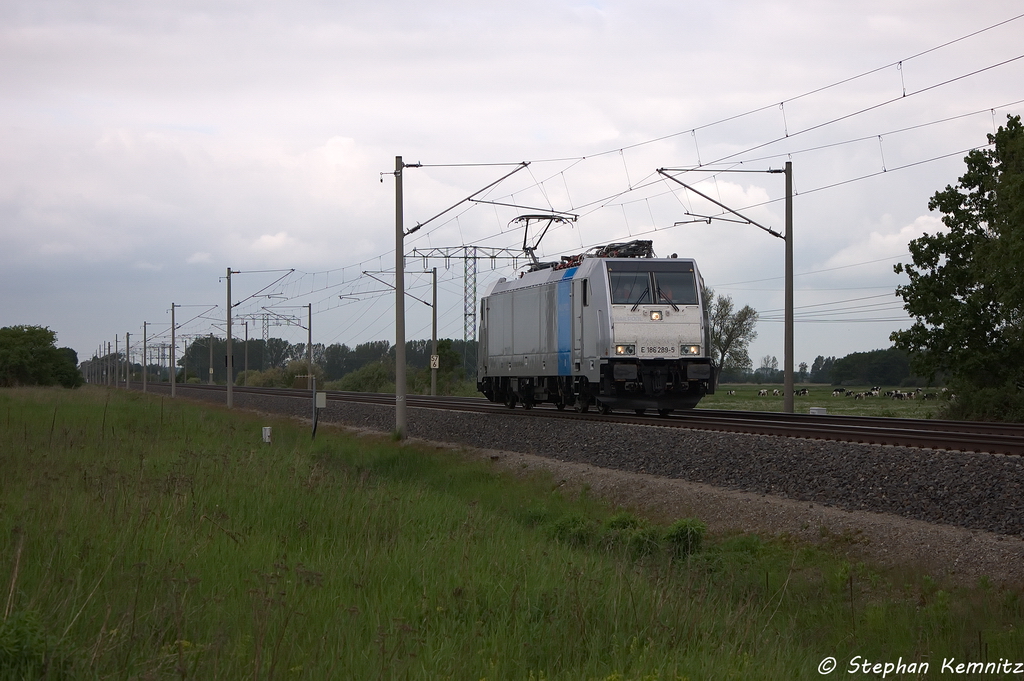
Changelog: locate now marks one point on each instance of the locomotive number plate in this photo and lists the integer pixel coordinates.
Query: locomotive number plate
(658, 350)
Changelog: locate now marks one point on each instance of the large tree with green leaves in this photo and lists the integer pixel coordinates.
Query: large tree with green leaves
(29, 356)
(966, 288)
(731, 331)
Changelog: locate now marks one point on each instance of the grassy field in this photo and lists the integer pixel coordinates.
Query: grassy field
(820, 395)
(145, 538)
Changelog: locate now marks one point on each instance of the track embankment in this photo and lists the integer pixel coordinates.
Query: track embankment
(971, 490)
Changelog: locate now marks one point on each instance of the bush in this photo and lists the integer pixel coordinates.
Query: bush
(625, 530)
(29, 356)
(1004, 403)
(574, 529)
(271, 378)
(300, 367)
(643, 541)
(247, 378)
(686, 536)
(378, 377)
(624, 520)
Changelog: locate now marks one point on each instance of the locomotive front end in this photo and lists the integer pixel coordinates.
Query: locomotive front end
(659, 355)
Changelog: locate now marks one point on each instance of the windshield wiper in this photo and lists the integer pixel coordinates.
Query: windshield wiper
(661, 294)
(640, 299)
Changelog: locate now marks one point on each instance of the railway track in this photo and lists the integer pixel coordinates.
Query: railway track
(967, 436)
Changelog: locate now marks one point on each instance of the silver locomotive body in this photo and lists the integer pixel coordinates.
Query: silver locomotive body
(617, 333)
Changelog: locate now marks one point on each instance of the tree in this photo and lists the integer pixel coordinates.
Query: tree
(337, 360)
(878, 367)
(277, 352)
(731, 332)
(966, 289)
(768, 372)
(450, 374)
(821, 369)
(29, 356)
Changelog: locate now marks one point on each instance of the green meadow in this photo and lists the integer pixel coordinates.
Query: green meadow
(149, 538)
(820, 395)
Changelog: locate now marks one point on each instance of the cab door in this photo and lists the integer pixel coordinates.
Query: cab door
(578, 293)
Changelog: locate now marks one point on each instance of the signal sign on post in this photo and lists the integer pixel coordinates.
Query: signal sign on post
(435, 361)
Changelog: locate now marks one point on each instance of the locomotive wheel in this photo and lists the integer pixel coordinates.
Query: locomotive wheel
(581, 407)
(604, 408)
(559, 406)
(510, 401)
(664, 412)
(640, 412)
(527, 404)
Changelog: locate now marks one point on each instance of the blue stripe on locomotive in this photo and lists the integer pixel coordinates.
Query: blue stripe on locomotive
(565, 323)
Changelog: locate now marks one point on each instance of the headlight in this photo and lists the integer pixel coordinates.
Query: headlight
(655, 315)
(625, 349)
(689, 350)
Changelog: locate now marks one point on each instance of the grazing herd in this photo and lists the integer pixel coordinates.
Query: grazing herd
(897, 394)
(876, 391)
(775, 393)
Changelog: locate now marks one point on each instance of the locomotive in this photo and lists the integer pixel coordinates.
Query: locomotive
(613, 328)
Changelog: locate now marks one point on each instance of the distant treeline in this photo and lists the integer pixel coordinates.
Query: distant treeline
(878, 367)
(889, 367)
(332, 362)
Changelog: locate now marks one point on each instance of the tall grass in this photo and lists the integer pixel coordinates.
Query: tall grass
(147, 538)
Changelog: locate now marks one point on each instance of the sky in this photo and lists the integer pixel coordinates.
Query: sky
(145, 148)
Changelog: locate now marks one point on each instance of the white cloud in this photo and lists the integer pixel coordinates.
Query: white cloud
(199, 257)
(883, 244)
(270, 243)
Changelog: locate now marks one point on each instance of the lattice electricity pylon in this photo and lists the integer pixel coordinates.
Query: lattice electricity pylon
(273, 318)
(469, 296)
(263, 318)
(469, 255)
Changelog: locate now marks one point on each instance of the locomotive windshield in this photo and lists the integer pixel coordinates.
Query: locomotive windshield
(676, 288)
(632, 283)
(630, 288)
